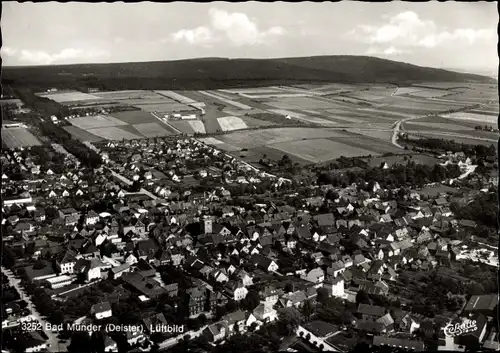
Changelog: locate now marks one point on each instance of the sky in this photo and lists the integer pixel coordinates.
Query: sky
(461, 35)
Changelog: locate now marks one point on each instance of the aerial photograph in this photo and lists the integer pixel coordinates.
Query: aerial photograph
(249, 177)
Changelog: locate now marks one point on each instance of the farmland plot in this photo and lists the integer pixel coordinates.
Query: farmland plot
(113, 133)
(384, 135)
(230, 123)
(90, 122)
(407, 90)
(412, 125)
(197, 126)
(18, 137)
(125, 95)
(211, 141)
(134, 117)
(176, 96)
(151, 130)
(255, 138)
(183, 126)
(429, 93)
(165, 107)
(489, 119)
(302, 117)
(228, 101)
(300, 103)
(82, 135)
(320, 150)
(64, 97)
(250, 90)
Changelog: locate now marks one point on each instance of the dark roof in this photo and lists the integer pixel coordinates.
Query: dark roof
(101, 307)
(371, 310)
(482, 302)
(320, 328)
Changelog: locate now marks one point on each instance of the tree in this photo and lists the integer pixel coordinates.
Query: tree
(322, 295)
(362, 297)
(307, 310)
(290, 319)
(8, 257)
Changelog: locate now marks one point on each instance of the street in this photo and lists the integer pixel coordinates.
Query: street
(53, 341)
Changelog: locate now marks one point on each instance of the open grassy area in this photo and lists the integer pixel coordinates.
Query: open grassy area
(18, 137)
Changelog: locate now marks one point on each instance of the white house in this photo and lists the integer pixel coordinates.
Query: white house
(91, 218)
(335, 287)
(101, 310)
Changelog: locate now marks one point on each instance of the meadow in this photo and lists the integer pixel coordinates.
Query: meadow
(18, 137)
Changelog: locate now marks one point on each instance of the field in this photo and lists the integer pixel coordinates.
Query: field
(165, 107)
(480, 118)
(197, 126)
(113, 133)
(73, 96)
(18, 137)
(92, 122)
(300, 103)
(151, 130)
(225, 100)
(134, 117)
(391, 160)
(231, 123)
(176, 96)
(320, 150)
(378, 134)
(81, 134)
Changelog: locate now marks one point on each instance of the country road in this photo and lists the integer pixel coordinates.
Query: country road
(54, 344)
(172, 342)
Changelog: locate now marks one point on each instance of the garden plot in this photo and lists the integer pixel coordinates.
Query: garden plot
(489, 119)
(113, 133)
(82, 135)
(228, 101)
(151, 130)
(134, 117)
(231, 123)
(176, 96)
(98, 121)
(320, 150)
(18, 137)
(64, 97)
(197, 126)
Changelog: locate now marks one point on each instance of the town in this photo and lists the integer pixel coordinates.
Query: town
(242, 178)
(174, 233)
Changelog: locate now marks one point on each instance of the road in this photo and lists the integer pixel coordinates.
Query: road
(54, 344)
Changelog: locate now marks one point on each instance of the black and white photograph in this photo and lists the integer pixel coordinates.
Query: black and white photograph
(242, 177)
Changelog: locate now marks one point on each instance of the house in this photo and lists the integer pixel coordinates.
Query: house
(484, 304)
(154, 323)
(70, 216)
(90, 269)
(101, 310)
(335, 287)
(91, 218)
(215, 332)
(67, 262)
(264, 263)
(264, 312)
(270, 295)
(244, 277)
(236, 290)
(317, 333)
(316, 276)
(197, 298)
(235, 321)
(370, 311)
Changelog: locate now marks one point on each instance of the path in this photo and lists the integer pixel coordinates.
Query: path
(54, 344)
